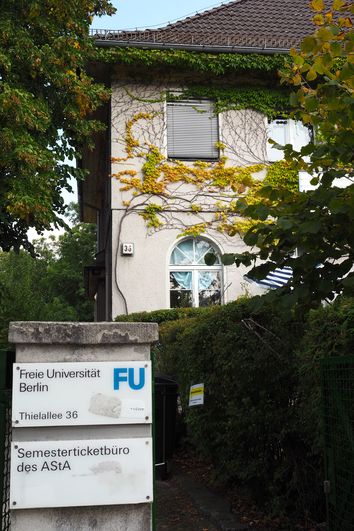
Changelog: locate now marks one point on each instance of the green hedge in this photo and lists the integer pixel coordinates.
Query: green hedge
(249, 426)
(160, 316)
(261, 422)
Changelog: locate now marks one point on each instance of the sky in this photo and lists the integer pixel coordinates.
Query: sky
(149, 13)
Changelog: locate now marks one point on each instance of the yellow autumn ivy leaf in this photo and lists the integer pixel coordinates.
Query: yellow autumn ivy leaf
(329, 17)
(311, 74)
(318, 20)
(338, 4)
(345, 22)
(317, 5)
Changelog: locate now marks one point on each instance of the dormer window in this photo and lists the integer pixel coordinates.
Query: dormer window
(192, 130)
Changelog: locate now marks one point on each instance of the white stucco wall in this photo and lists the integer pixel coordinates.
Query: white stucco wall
(141, 282)
(143, 279)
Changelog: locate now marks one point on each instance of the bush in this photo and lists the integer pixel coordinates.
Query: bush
(261, 424)
(248, 366)
(161, 316)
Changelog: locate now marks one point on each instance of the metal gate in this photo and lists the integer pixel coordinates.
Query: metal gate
(6, 360)
(338, 402)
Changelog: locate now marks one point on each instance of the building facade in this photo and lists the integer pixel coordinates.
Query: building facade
(174, 158)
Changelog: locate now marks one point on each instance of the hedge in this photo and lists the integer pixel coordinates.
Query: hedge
(261, 422)
(249, 426)
(160, 316)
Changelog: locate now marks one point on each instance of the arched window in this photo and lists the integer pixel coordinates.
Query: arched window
(192, 281)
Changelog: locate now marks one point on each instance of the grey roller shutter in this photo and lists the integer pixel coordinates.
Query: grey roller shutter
(192, 130)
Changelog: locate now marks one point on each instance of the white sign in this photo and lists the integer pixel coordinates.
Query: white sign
(128, 249)
(196, 395)
(81, 472)
(63, 394)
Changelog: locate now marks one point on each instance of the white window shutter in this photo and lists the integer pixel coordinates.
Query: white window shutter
(277, 131)
(300, 135)
(192, 131)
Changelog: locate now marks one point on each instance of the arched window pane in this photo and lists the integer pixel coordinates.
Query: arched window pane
(183, 254)
(203, 248)
(193, 252)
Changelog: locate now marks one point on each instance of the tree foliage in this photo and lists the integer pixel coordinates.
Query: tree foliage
(50, 286)
(46, 98)
(318, 224)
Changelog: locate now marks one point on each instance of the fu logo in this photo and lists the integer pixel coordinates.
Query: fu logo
(135, 381)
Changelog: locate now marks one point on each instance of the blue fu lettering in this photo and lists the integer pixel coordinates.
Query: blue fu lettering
(128, 375)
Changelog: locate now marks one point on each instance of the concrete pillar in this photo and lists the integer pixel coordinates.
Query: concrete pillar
(42, 342)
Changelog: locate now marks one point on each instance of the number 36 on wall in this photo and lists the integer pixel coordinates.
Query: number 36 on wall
(127, 249)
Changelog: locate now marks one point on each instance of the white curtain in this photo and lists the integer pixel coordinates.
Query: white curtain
(184, 279)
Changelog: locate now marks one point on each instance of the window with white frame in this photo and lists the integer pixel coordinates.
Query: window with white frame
(285, 131)
(192, 130)
(192, 281)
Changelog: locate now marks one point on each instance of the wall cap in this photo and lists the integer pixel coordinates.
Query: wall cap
(41, 332)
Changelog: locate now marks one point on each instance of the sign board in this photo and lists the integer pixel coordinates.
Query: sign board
(81, 472)
(196, 395)
(127, 249)
(83, 393)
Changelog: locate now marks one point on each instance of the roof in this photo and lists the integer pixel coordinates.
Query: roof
(254, 24)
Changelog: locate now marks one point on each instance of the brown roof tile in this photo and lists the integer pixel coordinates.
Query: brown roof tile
(278, 24)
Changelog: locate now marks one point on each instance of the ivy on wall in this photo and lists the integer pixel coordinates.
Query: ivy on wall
(182, 60)
(151, 188)
(222, 182)
(271, 102)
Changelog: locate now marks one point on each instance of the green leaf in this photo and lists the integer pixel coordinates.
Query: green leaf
(308, 44)
(311, 104)
(261, 271)
(228, 259)
(348, 282)
(307, 150)
(336, 206)
(210, 259)
(285, 223)
(298, 60)
(311, 226)
(261, 212)
(250, 238)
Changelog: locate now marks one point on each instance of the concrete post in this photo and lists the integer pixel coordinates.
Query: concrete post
(43, 342)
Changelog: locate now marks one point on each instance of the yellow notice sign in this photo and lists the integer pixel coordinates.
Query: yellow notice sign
(196, 395)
